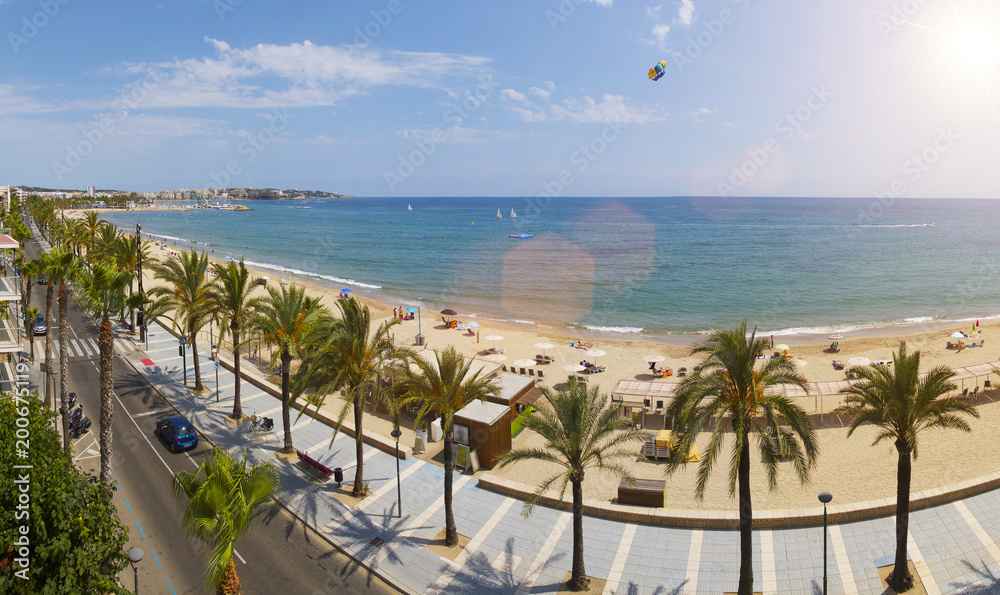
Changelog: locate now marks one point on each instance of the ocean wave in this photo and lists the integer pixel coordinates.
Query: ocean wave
(614, 329)
(878, 324)
(175, 238)
(301, 273)
(899, 225)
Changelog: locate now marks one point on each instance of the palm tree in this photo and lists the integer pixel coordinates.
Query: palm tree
(103, 290)
(44, 262)
(30, 271)
(580, 433)
(224, 500)
(353, 358)
(730, 389)
(186, 293)
(286, 318)
(29, 329)
(901, 404)
(230, 297)
(91, 224)
(443, 390)
(62, 267)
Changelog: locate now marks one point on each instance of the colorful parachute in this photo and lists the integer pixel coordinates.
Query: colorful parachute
(657, 71)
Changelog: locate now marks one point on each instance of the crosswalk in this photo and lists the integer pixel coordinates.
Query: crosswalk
(82, 347)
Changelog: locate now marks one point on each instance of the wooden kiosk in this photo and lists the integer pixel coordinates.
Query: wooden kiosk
(485, 428)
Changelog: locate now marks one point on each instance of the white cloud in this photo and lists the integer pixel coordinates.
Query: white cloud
(660, 33)
(543, 93)
(601, 2)
(685, 14)
(295, 75)
(458, 135)
(653, 12)
(512, 95)
(611, 108)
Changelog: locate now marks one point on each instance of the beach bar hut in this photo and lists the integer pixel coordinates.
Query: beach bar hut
(485, 428)
(516, 392)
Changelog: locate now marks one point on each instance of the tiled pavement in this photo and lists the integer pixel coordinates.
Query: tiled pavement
(954, 546)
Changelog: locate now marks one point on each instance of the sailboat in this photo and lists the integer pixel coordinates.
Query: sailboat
(409, 208)
(499, 216)
(512, 213)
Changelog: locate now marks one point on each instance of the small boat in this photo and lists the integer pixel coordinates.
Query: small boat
(499, 216)
(929, 224)
(512, 213)
(409, 208)
(522, 236)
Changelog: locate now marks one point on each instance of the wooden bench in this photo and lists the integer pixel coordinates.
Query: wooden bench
(645, 492)
(651, 451)
(314, 464)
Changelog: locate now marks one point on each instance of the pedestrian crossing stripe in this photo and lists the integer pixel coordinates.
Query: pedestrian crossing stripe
(87, 347)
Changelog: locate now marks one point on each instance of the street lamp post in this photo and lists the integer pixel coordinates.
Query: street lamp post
(134, 557)
(825, 498)
(142, 318)
(215, 358)
(399, 490)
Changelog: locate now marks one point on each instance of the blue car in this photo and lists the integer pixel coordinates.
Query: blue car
(177, 432)
(38, 326)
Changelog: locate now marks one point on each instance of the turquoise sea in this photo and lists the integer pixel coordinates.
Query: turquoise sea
(655, 266)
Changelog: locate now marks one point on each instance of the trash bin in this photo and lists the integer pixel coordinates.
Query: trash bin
(338, 475)
(420, 339)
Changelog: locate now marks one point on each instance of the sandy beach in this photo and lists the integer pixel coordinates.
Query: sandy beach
(851, 468)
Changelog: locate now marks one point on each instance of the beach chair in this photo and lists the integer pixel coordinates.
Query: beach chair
(503, 368)
(682, 372)
(523, 372)
(581, 379)
(986, 384)
(540, 359)
(965, 392)
(541, 376)
(531, 372)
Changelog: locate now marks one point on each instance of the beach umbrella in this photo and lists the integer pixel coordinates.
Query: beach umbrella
(957, 335)
(974, 335)
(412, 310)
(574, 368)
(345, 290)
(653, 358)
(835, 337)
(544, 346)
(474, 324)
(495, 357)
(595, 353)
(801, 363)
(781, 347)
(264, 278)
(524, 363)
(449, 312)
(493, 338)
(859, 361)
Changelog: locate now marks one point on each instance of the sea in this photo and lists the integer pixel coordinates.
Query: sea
(661, 268)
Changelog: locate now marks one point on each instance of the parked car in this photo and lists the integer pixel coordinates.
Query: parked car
(43, 280)
(39, 325)
(177, 432)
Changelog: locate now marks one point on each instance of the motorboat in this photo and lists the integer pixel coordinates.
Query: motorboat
(522, 236)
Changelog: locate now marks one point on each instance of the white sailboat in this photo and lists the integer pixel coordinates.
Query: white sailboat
(409, 208)
(499, 216)
(512, 213)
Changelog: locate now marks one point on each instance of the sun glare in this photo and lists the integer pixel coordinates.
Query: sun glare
(975, 45)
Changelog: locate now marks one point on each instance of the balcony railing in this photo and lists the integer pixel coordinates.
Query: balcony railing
(10, 339)
(10, 289)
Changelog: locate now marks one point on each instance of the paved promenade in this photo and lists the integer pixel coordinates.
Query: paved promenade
(953, 546)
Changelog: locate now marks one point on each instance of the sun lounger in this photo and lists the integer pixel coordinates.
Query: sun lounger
(582, 378)
(541, 376)
(531, 372)
(523, 372)
(682, 372)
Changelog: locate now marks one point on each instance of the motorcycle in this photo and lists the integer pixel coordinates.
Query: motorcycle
(79, 427)
(71, 400)
(75, 415)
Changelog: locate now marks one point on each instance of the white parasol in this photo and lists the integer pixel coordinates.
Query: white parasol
(859, 361)
(524, 363)
(574, 368)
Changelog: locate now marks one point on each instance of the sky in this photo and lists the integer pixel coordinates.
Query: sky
(872, 98)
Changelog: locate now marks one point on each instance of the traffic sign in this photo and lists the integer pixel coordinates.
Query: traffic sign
(184, 340)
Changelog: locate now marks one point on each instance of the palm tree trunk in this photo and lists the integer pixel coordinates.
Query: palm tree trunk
(746, 519)
(359, 442)
(198, 386)
(450, 531)
(579, 580)
(901, 579)
(63, 366)
(230, 584)
(104, 346)
(237, 406)
(286, 364)
(49, 292)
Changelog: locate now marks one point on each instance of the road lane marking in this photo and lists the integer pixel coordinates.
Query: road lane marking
(127, 505)
(239, 556)
(169, 586)
(140, 531)
(151, 412)
(155, 559)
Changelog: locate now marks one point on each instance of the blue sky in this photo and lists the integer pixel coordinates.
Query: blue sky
(519, 98)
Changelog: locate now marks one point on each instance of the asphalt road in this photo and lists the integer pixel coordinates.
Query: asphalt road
(281, 556)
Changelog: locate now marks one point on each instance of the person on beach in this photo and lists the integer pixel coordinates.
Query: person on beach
(772, 341)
